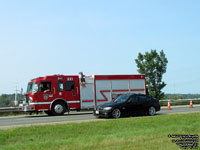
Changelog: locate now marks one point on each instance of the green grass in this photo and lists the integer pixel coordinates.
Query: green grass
(135, 133)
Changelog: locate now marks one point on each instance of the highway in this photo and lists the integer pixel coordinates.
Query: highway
(74, 117)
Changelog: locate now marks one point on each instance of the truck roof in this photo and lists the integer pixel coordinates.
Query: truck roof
(118, 77)
(96, 77)
(52, 76)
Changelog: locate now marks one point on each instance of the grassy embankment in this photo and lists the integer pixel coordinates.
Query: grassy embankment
(136, 133)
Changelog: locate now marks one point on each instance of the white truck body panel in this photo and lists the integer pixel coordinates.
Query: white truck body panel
(87, 94)
(100, 90)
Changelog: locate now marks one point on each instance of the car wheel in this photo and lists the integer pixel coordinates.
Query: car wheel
(58, 108)
(116, 113)
(152, 111)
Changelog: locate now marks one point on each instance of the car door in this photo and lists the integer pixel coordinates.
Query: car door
(142, 103)
(132, 105)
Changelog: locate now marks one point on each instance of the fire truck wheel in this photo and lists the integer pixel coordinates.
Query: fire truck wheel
(116, 113)
(58, 108)
(49, 113)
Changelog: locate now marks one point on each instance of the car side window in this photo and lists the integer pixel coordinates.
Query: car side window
(142, 99)
(148, 98)
(133, 99)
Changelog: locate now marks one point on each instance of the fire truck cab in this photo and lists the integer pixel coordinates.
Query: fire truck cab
(53, 94)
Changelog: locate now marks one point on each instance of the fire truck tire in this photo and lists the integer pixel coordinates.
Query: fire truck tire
(58, 108)
(116, 113)
(49, 113)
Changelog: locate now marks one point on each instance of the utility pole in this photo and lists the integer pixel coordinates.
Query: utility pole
(16, 102)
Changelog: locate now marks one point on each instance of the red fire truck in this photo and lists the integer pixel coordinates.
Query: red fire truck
(57, 94)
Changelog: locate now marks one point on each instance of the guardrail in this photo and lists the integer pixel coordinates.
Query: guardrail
(180, 100)
(10, 109)
(189, 102)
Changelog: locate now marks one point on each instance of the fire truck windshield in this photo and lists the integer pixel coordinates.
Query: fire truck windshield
(32, 87)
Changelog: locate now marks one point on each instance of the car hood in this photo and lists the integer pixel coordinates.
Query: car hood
(111, 104)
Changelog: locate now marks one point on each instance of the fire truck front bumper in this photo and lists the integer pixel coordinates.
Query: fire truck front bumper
(26, 107)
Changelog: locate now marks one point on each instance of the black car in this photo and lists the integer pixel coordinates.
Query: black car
(129, 104)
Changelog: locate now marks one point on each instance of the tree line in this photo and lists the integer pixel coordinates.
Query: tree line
(181, 96)
(7, 100)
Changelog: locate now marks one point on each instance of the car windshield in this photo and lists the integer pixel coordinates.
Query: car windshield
(32, 87)
(121, 98)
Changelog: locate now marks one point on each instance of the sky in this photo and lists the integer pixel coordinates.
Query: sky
(47, 37)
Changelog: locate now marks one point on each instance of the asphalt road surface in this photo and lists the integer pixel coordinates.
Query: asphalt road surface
(73, 117)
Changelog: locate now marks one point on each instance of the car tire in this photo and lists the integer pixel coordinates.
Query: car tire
(116, 113)
(58, 108)
(151, 111)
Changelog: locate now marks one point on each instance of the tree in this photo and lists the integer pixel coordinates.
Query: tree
(153, 65)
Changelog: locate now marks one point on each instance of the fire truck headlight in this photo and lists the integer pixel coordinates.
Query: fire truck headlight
(107, 108)
(30, 99)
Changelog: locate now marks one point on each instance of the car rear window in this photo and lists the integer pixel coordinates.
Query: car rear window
(142, 99)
